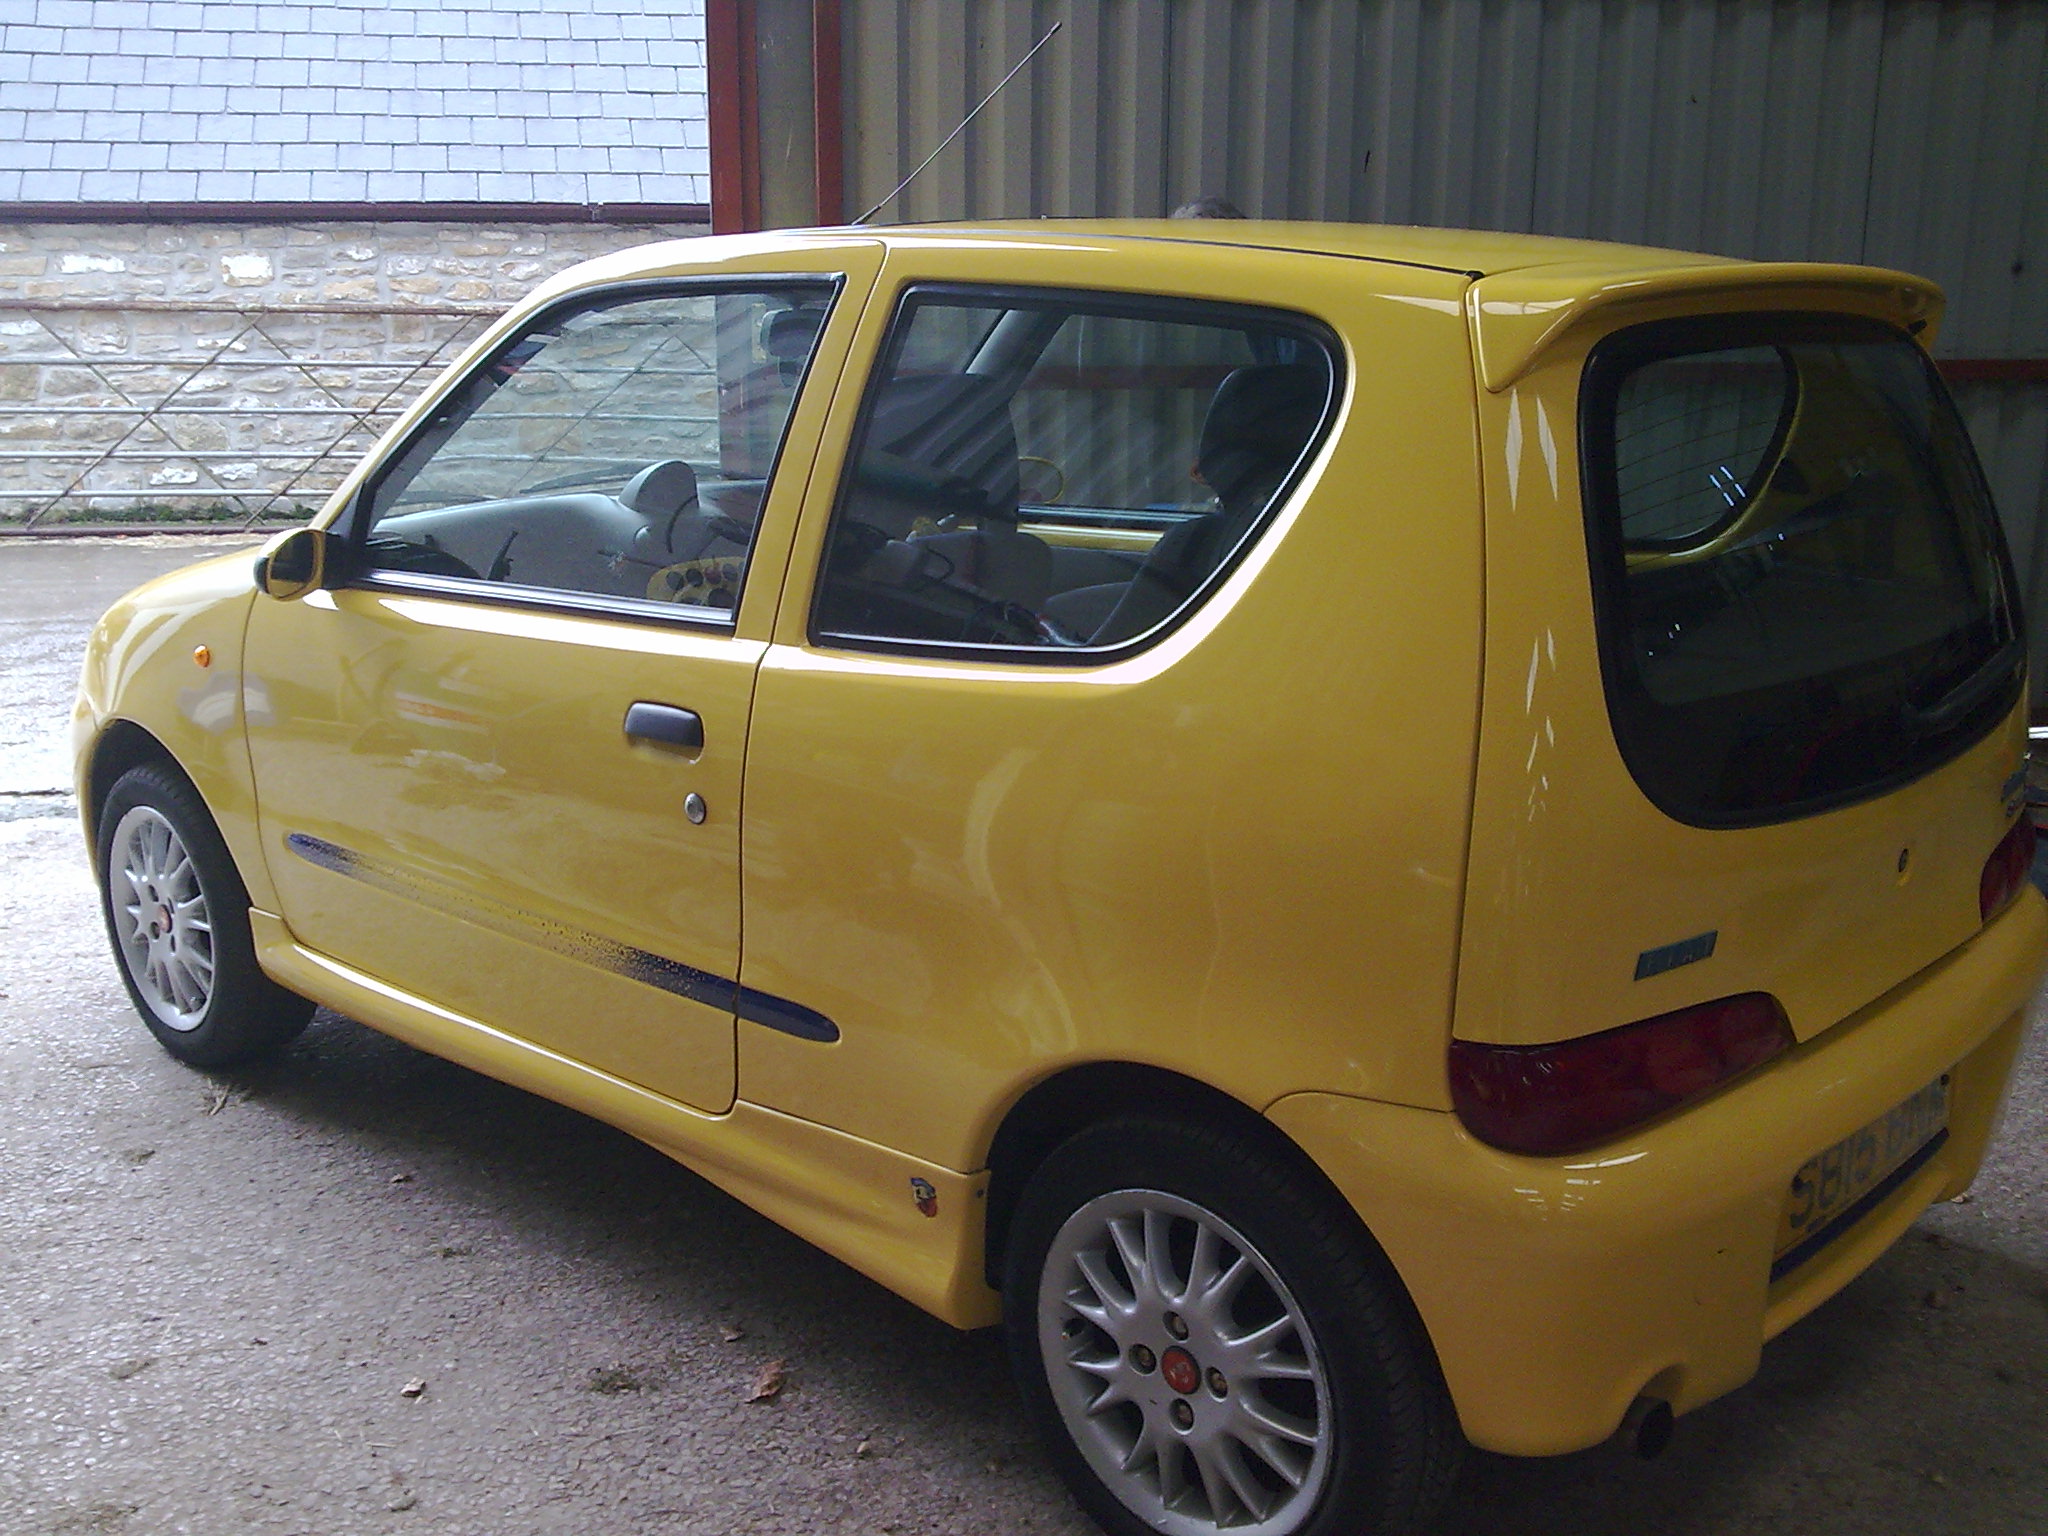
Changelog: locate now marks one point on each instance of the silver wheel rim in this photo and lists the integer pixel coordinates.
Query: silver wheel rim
(161, 923)
(1144, 1295)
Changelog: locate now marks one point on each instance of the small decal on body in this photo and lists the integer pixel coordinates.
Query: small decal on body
(926, 1197)
(1669, 957)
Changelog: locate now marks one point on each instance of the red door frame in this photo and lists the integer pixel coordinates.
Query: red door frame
(731, 59)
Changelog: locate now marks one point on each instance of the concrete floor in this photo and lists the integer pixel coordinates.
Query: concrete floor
(213, 1291)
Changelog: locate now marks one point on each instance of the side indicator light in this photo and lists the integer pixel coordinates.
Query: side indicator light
(1548, 1099)
(2006, 870)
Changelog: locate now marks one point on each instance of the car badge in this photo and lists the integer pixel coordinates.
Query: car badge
(1669, 957)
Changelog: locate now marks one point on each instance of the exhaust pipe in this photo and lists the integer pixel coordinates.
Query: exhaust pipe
(1646, 1427)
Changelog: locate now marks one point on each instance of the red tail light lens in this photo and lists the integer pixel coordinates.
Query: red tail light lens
(2007, 869)
(1546, 1099)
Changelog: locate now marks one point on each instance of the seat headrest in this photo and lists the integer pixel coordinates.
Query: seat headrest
(661, 489)
(1259, 420)
(789, 334)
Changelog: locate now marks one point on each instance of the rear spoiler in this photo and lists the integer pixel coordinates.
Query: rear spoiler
(1517, 315)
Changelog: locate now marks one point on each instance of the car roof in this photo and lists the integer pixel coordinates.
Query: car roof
(1473, 252)
(1527, 290)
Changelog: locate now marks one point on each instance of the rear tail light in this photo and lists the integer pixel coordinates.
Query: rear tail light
(2007, 869)
(1546, 1099)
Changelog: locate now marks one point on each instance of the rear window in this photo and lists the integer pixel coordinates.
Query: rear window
(1802, 593)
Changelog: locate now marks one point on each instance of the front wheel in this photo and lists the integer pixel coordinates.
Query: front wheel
(1210, 1344)
(178, 916)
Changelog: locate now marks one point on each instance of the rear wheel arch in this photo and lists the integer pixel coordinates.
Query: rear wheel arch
(1111, 1141)
(1055, 1110)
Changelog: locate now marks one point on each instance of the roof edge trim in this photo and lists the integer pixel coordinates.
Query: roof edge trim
(1073, 230)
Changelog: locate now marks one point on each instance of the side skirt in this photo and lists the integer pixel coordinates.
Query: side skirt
(911, 1226)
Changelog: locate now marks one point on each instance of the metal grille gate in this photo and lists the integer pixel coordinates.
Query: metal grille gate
(169, 414)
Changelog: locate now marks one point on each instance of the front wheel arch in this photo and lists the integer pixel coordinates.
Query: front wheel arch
(120, 746)
(177, 918)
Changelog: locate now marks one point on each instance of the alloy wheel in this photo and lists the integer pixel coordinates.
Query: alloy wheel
(160, 918)
(1182, 1367)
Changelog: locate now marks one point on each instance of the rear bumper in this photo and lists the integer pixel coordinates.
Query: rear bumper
(1557, 1290)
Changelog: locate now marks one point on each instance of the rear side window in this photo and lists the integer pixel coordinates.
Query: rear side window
(1060, 472)
(1802, 592)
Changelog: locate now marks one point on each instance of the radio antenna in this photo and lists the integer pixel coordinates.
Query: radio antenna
(970, 117)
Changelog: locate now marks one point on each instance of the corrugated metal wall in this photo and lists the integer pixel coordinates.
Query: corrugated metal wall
(2009, 424)
(1906, 133)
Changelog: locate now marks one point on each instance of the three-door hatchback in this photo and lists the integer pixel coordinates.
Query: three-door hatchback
(1371, 838)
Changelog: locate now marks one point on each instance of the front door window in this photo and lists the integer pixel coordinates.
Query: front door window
(619, 449)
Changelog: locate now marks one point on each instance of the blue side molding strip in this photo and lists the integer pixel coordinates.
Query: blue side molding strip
(593, 949)
(791, 1018)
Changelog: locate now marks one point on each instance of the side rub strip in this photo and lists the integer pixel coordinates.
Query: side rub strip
(576, 943)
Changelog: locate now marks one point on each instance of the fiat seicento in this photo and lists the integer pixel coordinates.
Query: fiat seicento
(1371, 839)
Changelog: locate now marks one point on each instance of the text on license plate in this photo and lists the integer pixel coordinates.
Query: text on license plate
(1835, 1180)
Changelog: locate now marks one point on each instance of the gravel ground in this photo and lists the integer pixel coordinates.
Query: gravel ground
(215, 1292)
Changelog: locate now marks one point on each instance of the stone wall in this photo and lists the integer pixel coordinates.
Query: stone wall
(231, 369)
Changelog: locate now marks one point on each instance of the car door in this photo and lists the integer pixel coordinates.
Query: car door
(498, 763)
(1072, 746)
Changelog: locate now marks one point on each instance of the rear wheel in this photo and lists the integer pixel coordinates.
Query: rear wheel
(178, 916)
(1211, 1344)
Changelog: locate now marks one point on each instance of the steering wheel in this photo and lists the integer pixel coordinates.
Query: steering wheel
(1058, 492)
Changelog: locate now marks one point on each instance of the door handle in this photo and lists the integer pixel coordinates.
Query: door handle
(666, 724)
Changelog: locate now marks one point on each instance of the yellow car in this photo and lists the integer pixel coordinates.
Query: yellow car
(1371, 838)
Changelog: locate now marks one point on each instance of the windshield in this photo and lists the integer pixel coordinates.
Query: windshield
(1803, 595)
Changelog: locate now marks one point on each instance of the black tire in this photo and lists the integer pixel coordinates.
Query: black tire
(160, 861)
(1387, 1447)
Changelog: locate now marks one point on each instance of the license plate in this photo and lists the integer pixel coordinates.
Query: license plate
(1835, 1180)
